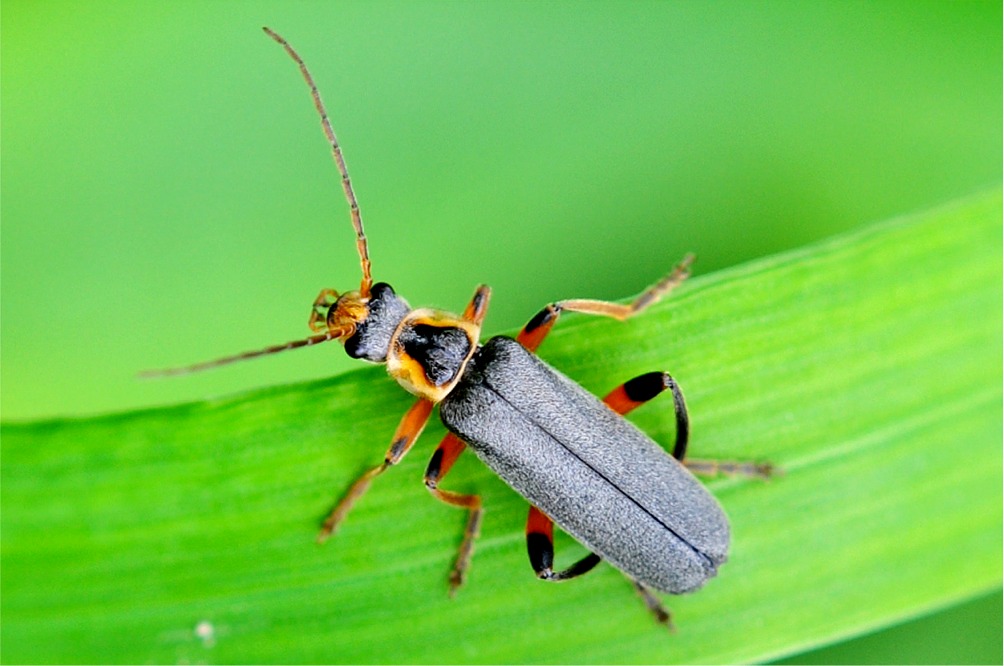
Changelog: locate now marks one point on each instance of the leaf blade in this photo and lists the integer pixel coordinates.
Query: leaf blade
(868, 366)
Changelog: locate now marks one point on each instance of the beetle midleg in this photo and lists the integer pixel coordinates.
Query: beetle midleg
(442, 460)
(478, 307)
(641, 389)
(660, 612)
(540, 325)
(540, 547)
(407, 432)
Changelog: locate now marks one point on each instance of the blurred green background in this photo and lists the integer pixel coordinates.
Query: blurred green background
(167, 196)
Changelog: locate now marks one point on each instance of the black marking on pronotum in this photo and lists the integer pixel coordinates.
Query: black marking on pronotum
(440, 350)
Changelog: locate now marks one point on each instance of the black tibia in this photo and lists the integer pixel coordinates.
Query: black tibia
(682, 420)
(540, 548)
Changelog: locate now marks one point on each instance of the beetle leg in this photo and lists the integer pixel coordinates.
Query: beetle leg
(540, 547)
(407, 432)
(442, 460)
(478, 307)
(540, 325)
(731, 468)
(319, 310)
(641, 389)
(660, 612)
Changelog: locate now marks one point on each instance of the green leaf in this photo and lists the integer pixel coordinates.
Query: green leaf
(868, 367)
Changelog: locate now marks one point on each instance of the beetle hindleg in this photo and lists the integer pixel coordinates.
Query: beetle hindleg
(660, 612)
(407, 432)
(442, 460)
(540, 325)
(540, 547)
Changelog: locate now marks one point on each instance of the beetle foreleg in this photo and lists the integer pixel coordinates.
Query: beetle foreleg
(540, 547)
(478, 307)
(442, 460)
(319, 310)
(407, 432)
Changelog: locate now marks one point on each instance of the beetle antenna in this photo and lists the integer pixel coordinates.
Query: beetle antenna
(336, 152)
(333, 334)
